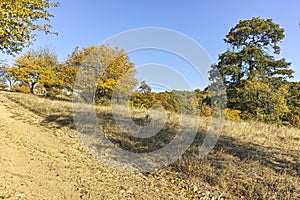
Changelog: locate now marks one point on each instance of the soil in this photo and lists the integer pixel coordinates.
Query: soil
(40, 162)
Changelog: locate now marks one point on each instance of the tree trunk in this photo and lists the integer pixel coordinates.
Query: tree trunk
(32, 87)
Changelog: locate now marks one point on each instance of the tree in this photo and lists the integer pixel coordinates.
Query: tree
(168, 101)
(293, 102)
(3, 84)
(37, 66)
(187, 101)
(110, 68)
(261, 102)
(250, 60)
(144, 88)
(7, 75)
(203, 97)
(18, 21)
(294, 97)
(143, 97)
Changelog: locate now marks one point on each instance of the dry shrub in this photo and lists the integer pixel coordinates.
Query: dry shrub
(3, 86)
(205, 111)
(21, 88)
(55, 92)
(232, 114)
(294, 120)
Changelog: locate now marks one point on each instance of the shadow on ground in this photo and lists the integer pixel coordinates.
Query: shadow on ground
(277, 160)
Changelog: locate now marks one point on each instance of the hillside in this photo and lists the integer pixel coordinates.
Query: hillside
(42, 157)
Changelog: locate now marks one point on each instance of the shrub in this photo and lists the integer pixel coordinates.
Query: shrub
(53, 92)
(3, 86)
(205, 111)
(232, 114)
(294, 120)
(21, 88)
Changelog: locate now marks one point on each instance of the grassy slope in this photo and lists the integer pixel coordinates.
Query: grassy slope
(251, 160)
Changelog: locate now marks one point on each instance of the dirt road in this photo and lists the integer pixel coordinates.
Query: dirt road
(37, 162)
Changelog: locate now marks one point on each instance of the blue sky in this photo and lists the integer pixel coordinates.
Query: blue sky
(84, 23)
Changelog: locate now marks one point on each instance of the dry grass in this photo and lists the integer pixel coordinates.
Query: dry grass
(251, 160)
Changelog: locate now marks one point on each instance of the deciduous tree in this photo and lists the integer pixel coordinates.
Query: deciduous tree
(143, 97)
(293, 102)
(19, 19)
(106, 67)
(37, 66)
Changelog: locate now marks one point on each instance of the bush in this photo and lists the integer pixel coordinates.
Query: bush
(103, 101)
(205, 111)
(53, 92)
(232, 114)
(294, 120)
(21, 88)
(3, 86)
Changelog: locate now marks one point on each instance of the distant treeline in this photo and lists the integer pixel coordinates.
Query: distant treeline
(256, 85)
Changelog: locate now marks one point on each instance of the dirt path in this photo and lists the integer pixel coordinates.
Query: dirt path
(37, 162)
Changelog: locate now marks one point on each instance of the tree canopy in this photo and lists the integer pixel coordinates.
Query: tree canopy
(18, 21)
(107, 66)
(37, 66)
(255, 79)
(249, 71)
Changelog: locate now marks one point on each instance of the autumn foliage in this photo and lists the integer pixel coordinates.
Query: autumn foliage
(255, 81)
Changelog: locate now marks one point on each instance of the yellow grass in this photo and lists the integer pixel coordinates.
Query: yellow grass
(251, 160)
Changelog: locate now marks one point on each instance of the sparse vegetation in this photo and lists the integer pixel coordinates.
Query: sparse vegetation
(251, 160)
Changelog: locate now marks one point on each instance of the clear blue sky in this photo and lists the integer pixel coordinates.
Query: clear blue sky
(84, 23)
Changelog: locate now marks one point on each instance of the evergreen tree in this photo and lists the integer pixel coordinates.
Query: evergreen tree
(249, 71)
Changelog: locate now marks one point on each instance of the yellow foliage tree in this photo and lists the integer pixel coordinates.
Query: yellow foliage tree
(108, 68)
(37, 66)
(262, 102)
(19, 19)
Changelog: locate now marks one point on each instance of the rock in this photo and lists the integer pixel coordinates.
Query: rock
(195, 189)
(122, 191)
(20, 195)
